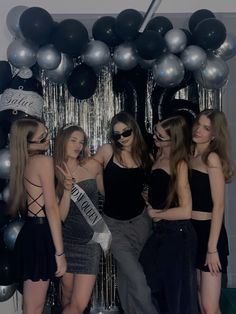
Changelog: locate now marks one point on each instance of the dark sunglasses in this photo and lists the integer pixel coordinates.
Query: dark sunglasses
(161, 139)
(41, 141)
(117, 136)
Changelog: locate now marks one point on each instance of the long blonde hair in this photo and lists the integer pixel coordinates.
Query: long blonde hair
(60, 157)
(220, 144)
(22, 131)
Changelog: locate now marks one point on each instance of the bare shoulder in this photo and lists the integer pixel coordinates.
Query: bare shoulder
(182, 166)
(42, 162)
(214, 160)
(105, 149)
(103, 154)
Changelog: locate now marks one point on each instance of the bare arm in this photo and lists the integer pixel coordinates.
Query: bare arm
(103, 154)
(183, 211)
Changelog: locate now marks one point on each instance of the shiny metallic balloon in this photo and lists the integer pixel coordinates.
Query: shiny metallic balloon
(4, 163)
(193, 58)
(168, 71)
(62, 72)
(22, 53)
(11, 232)
(48, 57)
(126, 56)
(13, 18)
(6, 292)
(214, 75)
(176, 40)
(228, 49)
(96, 54)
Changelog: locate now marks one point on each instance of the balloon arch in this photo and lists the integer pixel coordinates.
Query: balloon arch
(134, 62)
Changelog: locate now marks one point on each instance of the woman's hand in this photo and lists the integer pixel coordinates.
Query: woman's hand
(213, 262)
(68, 179)
(61, 265)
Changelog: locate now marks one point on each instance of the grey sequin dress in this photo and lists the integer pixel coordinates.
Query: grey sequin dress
(82, 256)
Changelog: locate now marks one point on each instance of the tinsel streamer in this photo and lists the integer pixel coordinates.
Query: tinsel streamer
(210, 99)
(148, 103)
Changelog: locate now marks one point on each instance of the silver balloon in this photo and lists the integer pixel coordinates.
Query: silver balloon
(146, 64)
(228, 49)
(22, 53)
(96, 54)
(13, 18)
(11, 232)
(193, 58)
(4, 163)
(48, 57)
(6, 292)
(168, 71)
(62, 72)
(126, 56)
(214, 75)
(176, 40)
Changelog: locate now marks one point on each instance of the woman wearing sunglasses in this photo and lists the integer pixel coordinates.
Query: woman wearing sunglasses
(126, 162)
(39, 246)
(168, 255)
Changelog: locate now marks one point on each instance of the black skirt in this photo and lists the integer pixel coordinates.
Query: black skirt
(202, 228)
(34, 251)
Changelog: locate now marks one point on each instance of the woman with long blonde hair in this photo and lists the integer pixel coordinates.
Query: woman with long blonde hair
(39, 246)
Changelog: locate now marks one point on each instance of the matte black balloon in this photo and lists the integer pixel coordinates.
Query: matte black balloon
(4, 217)
(5, 75)
(150, 45)
(3, 137)
(82, 82)
(6, 268)
(70, 37)
(128, 23)
(189, 36)
(209, 34)
(160, 24)
(199, 16)
(37, 25)
(104, 30)
(9, 116)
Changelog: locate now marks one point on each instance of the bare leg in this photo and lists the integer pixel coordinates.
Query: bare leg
(67, 282)
(81, 293)
(34, 295)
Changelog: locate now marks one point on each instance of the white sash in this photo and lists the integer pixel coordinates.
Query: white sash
(102, 234)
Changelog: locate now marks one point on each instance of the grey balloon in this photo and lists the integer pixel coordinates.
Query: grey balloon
(22, 53)
(193, 58)
(4, 163)
(48, 57)
(176, 40)
(6, 292)
(214, 75)
(96, 54)
(13, 18)
(228, 49)
(125, 56)
(168, 71)
(62, 72)
(11, 232)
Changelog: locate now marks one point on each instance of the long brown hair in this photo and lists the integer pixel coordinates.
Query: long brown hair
(220, 144)
(177, 129)
(22, 131)
(60, 157)
(139, 150)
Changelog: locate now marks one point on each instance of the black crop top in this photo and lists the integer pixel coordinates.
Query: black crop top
(123, 188)
(201, 191)
(158, 188)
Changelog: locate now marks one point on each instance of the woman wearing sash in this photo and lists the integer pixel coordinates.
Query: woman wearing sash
(78, 175)
(39, 247)
(126, 163)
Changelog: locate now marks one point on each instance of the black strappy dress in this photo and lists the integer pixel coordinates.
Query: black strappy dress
(34, 249)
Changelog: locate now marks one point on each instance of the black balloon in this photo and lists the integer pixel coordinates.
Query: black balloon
(199, 16)
(70, 37)
(4, 217)
(9, 116)
(6, 268)
(128, 23)
(82, 82)
(5, 75)
(3, 137)
(160, 24)
(189, 36)
(150, 45)
(37, 25)
(209, 34)
(104, 30)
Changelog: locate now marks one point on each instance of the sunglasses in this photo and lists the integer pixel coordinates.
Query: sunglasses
(117, 136)
(41, 141)
(161, 139)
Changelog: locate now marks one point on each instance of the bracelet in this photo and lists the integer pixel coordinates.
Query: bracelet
(212, 252)
(59, 254)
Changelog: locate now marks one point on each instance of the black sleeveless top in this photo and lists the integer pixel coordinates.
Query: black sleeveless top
(201, 191)
(158, 188)
(35, 200)
(123, 188)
